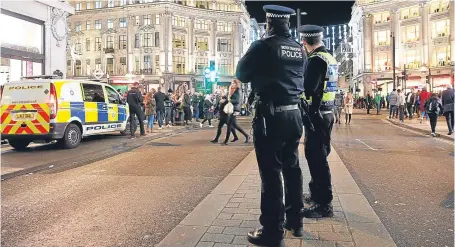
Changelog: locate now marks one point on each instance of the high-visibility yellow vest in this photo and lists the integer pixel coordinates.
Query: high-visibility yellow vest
(331, 79)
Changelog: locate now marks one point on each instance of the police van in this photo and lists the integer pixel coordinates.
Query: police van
(43, 108)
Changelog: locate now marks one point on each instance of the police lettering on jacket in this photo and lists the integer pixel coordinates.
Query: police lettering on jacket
(289, 52)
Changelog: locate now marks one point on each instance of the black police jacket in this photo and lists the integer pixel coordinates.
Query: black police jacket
(275, 67)
(134, 97)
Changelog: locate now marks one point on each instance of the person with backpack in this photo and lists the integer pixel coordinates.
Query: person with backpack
(433, 108)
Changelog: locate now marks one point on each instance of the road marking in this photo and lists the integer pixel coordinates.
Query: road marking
(366, 145)
(441, 148)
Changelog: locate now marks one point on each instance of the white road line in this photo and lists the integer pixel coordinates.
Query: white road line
(366, 145)
(441, 148)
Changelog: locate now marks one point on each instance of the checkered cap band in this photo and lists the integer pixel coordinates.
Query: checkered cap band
(272, 15)
(311, 35)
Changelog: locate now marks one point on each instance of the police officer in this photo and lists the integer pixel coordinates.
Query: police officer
(134, 99)
(275, 68)
(320, 88)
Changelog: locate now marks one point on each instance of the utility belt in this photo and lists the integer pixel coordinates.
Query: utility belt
(268, 109)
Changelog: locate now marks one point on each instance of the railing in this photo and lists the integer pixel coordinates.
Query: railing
(109, 50)
(147, 71)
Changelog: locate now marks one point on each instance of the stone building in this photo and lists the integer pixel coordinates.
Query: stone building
(158, 43)
(422, 33)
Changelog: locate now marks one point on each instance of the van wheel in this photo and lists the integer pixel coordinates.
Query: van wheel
(72, 137)
(19, 144)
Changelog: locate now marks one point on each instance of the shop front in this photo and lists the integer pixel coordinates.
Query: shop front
(33, 40)
(441, 78)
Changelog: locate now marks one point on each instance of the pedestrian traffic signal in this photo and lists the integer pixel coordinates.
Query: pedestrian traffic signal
(212, 65)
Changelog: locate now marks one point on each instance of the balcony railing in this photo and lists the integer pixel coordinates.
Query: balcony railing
(147, 71)
(109, 50)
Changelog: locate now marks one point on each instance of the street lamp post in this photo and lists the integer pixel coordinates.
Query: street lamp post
(107, 77)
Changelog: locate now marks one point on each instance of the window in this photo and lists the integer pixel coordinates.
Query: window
(98, 63)
(122, 68)
(224, 27)
(78, 47)
(224, 67)
(110, 23)
(178, 65)
(110, 3)
(78, 27)
(110, 66)
(439, 6)
(157, 19)
(409, 13)
(147, 19)
(89, 5)
(224, 45)
(88, 68)
(382, 38)
(147, 65)
(179, 41)
(200, 65)
(78, 68)
(122, 2)
(201, 24)
(87, 25)
(138, 20)
(87, 44)
(411, 34)
(412, 58)
(157, 62)
(112, 96)
(137, 64)
(202, 4)
(441, 56)
(98, 4)
(78, 6)
(147, 41)
(68, 67)
(178, 21)
(224, 7)
(122, 22)
(136, 41)
(122, 42)
(383, 61)
(98, 24)
(93, 93)
(382, 17)
(184, 2)
(157, 39)
(202, 43)
(98, 44)
(110, 42)
(441, 28)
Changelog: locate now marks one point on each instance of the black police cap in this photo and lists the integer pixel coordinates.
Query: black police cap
(310, 31)
(279, 12)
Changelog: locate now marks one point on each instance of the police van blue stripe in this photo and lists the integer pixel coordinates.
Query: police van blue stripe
(121, 113)
(78, 110)
(102, 112)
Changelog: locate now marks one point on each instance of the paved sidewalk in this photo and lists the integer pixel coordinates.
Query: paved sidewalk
(424, 127)
(225, 216)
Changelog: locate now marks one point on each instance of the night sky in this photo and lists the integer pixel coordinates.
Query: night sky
(322, 13)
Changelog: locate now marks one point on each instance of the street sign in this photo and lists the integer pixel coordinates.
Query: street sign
(98, 74)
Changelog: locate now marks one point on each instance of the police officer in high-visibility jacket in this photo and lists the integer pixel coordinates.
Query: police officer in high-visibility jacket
(320, 86)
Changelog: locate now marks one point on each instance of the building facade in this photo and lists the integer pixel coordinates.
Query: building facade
(33, 40)
(420, 31)
(158, 43)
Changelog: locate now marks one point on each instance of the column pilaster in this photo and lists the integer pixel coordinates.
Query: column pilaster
(190, 44)
(236, 51)
(452, 34)
(368, 41)
(396, 29)
(169, 42)
(212, 41)
(130, 39)
(163, 45)
(425, 34)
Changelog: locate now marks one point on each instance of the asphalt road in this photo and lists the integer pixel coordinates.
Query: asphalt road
(408, 178)
(131, 199)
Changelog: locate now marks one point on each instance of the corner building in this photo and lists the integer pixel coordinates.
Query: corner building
(158, 43)
(423, 33)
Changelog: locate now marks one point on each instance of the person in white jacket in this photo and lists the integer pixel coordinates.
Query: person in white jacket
(401, 104)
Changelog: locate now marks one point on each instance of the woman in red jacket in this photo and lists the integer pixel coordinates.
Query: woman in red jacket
(424, 95)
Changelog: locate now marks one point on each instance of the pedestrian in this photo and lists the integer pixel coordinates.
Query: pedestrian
(195, 104)
(447, 104)
(393, 104)
(401, 104)
(208, 110)
(348, 107)
(150, 110)
(160, 98)
(187, 107)
(368, 102)
(235, 98)
(424, 96)
(338, 107)
(387, 98)
(377, 100)
(433, 107)
(169, 109)
(224, 120)
(134, 99)
(275, 67)
(410, 103)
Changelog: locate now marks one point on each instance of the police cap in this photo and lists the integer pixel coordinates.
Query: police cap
(278, 12)
(311, 31)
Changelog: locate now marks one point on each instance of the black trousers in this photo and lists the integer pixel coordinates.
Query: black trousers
(433, 121)
(317, 148)
(232, 126)
(449, 120)
(187, 112)
(410, 109)
(277, 153)
(136, 111)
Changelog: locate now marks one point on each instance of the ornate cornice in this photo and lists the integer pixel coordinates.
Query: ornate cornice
(110, 31)
(146, 28)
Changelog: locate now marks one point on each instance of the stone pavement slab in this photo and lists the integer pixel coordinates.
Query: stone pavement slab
(225, 216)
(424, 127)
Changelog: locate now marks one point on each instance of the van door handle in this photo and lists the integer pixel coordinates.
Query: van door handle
(104, 107)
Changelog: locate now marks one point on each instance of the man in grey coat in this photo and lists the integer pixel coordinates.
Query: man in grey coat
(447, 105)
(393, 104)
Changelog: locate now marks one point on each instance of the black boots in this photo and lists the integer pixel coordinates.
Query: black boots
(318, 211)
(257, 238)
(296, 230)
